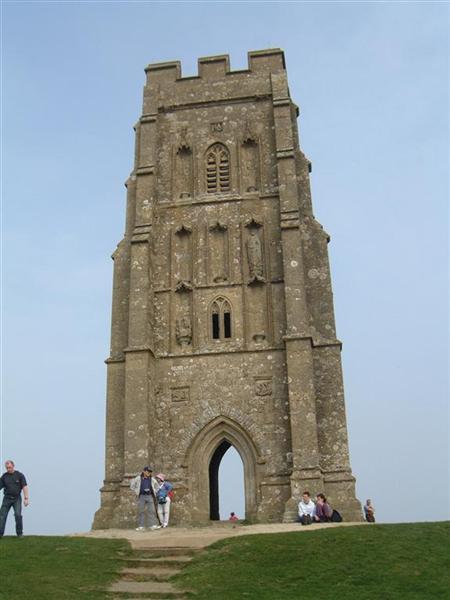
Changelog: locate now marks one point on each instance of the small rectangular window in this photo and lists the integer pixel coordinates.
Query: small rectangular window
(215, 327)
(227, 324)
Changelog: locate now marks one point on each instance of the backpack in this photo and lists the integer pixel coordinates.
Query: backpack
(336, 517)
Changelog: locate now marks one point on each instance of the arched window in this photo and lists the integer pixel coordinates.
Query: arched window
(217, 169)
(220, 319)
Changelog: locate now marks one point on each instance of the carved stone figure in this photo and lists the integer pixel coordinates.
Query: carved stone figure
(184, 144)
(183, 286)
(183, 330)
(254, 257)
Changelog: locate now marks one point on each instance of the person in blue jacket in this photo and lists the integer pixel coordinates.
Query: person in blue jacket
(164, 495)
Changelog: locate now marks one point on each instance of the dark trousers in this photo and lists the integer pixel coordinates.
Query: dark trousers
(305, 519)
(16, 504)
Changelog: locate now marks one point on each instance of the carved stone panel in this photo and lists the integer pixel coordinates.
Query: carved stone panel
(216, 127)
(180, 394)
(263, 386)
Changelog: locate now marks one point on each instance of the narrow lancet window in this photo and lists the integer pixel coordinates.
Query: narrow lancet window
(220, 319)
(226, 325)
(217, 169)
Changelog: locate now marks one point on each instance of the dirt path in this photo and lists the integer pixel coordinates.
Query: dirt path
(200, 537)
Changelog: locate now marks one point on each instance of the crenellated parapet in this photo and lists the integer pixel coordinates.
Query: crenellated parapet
(216, 67)
(166, 90)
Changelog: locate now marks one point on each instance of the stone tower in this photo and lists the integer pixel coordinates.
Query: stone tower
(223, 329)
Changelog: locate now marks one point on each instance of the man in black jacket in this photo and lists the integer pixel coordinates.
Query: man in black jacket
(13, 482)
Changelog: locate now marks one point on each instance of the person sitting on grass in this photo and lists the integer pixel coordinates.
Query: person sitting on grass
(306, 509)
(323, 510)
(233, 517)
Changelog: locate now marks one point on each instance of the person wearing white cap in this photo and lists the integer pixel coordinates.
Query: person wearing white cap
(164, 496)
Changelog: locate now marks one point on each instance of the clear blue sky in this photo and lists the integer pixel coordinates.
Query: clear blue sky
(371, 81)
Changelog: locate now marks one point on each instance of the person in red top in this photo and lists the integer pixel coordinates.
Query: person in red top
(233, 517)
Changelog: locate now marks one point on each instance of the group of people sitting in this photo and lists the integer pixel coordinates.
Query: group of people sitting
(321, 512)
(316, 512)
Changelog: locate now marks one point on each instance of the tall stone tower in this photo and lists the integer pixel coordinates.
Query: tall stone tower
(223, 329)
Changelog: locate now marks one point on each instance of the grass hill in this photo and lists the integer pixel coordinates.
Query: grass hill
(373, 562)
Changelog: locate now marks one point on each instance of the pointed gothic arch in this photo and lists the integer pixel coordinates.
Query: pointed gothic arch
(204, 455)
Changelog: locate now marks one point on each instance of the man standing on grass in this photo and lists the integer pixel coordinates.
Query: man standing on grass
(13, 482)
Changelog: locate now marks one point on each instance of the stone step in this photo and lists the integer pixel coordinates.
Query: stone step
(146, 587)
(156, 573)
(149, 596)
(169, 561)
(165, 551)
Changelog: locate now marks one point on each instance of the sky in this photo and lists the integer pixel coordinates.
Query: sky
(371, 81)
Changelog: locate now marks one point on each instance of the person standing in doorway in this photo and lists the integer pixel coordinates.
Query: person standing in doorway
(145, 488)
(13, 483)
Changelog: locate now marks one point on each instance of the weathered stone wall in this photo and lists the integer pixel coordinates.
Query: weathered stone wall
(223, 325)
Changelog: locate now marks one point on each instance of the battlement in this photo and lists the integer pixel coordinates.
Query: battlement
(217, 67)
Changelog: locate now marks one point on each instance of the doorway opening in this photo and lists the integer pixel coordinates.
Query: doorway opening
(226, 483)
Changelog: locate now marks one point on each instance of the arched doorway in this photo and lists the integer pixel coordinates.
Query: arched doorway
(226, 483)
(204, 457)
(214, 507)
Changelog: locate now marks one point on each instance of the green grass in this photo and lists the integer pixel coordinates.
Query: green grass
(60, 568)
(372, 562)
